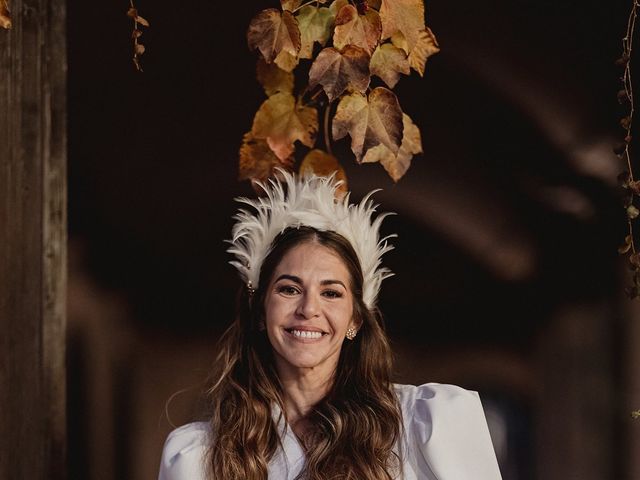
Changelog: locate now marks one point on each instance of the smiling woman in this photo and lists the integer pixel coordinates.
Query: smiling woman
(303, 387)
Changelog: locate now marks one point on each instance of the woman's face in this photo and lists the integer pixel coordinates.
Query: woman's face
(308, 309)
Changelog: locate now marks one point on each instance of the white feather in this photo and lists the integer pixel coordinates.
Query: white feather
(309, 201)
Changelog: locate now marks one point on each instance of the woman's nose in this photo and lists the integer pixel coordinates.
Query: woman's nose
(308, 306)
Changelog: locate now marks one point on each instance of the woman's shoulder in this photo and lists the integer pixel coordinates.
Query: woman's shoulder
(184, 451)
(446, 430)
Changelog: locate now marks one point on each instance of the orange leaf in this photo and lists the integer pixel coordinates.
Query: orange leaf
(397, 165)
(405, 17)
(281, 121)
(5, 15)
(257, 160)
(369, 121)
(388, 62)
(322, 164)
(427, 45)
(290, 5)
(273, 32)
(132, 12)
(336, 71)
(141, 20)
(363, 31)
(273, 79)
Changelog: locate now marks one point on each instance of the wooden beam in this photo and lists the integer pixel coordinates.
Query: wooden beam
(33, 241)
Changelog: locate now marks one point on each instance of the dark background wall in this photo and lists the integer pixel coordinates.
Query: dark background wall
(507, 279)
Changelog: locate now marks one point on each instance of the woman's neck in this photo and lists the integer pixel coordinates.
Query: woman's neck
(302, 390)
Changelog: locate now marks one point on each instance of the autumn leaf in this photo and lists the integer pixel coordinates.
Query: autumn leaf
(293, 5)
(273, 79)
(286, 61)
(5, 15)
(404, 17)
(397, 165)
(388, 62)
(363, 31)
(133, 13)
(336, 71)
(272, 32)
(369, 121)
(257, 160)
(281, 121)
(427, 45)
(315, 25)
(321, 163)
(337, 5)
(290, 5)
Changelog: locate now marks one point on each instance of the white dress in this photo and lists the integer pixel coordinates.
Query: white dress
(445, 437)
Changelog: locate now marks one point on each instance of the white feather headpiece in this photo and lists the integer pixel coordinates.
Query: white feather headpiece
(309, 201)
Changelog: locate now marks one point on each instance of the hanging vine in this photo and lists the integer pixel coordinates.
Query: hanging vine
(138, 22)
(339, 45)
(627, 178)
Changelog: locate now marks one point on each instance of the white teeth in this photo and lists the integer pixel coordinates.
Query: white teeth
(306, 334)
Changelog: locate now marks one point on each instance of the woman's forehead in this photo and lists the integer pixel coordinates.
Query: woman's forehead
(310, 259)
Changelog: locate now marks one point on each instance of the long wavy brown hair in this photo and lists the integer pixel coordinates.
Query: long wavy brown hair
(353, 429)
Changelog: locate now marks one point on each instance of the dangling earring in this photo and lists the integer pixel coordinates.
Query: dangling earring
(351, 333)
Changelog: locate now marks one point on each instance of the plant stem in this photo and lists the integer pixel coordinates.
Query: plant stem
(327, 133)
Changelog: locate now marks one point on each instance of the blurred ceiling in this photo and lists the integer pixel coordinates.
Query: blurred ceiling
(511, 211)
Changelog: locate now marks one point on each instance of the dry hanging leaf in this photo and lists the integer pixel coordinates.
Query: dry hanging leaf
(5, 14)
(281, 121)
(336, 71)
(388, 62)
(290, 5)
(138, 48)
(397, 165)
(369, 121)
(286, 61)
(405, 17)
(336, 6)
(272, 32)
(273, 79)
(323, 164)
(363, 31)
(315, 26)
(257, 160)
(427, 45)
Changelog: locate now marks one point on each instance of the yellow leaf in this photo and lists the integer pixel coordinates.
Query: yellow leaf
(272, 32)
(286, 61)
(397, 165)
(405, 17)
(257, 160)
(369, 121)
(336, 71)
(281, 121)
(361, 30)
(273, 79)
(388, 62)
(322, 164)
(315, 26)
(427, 45)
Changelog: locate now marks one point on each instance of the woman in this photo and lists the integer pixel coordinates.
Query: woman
(303, 386)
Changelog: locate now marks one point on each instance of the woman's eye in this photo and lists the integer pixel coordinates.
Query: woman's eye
(332, 294)
(287, 290)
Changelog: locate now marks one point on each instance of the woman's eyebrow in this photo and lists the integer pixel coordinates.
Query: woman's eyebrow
(293, 278)
(333, 282)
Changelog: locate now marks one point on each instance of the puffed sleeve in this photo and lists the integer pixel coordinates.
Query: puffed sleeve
(183, 453)
(447, 431)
